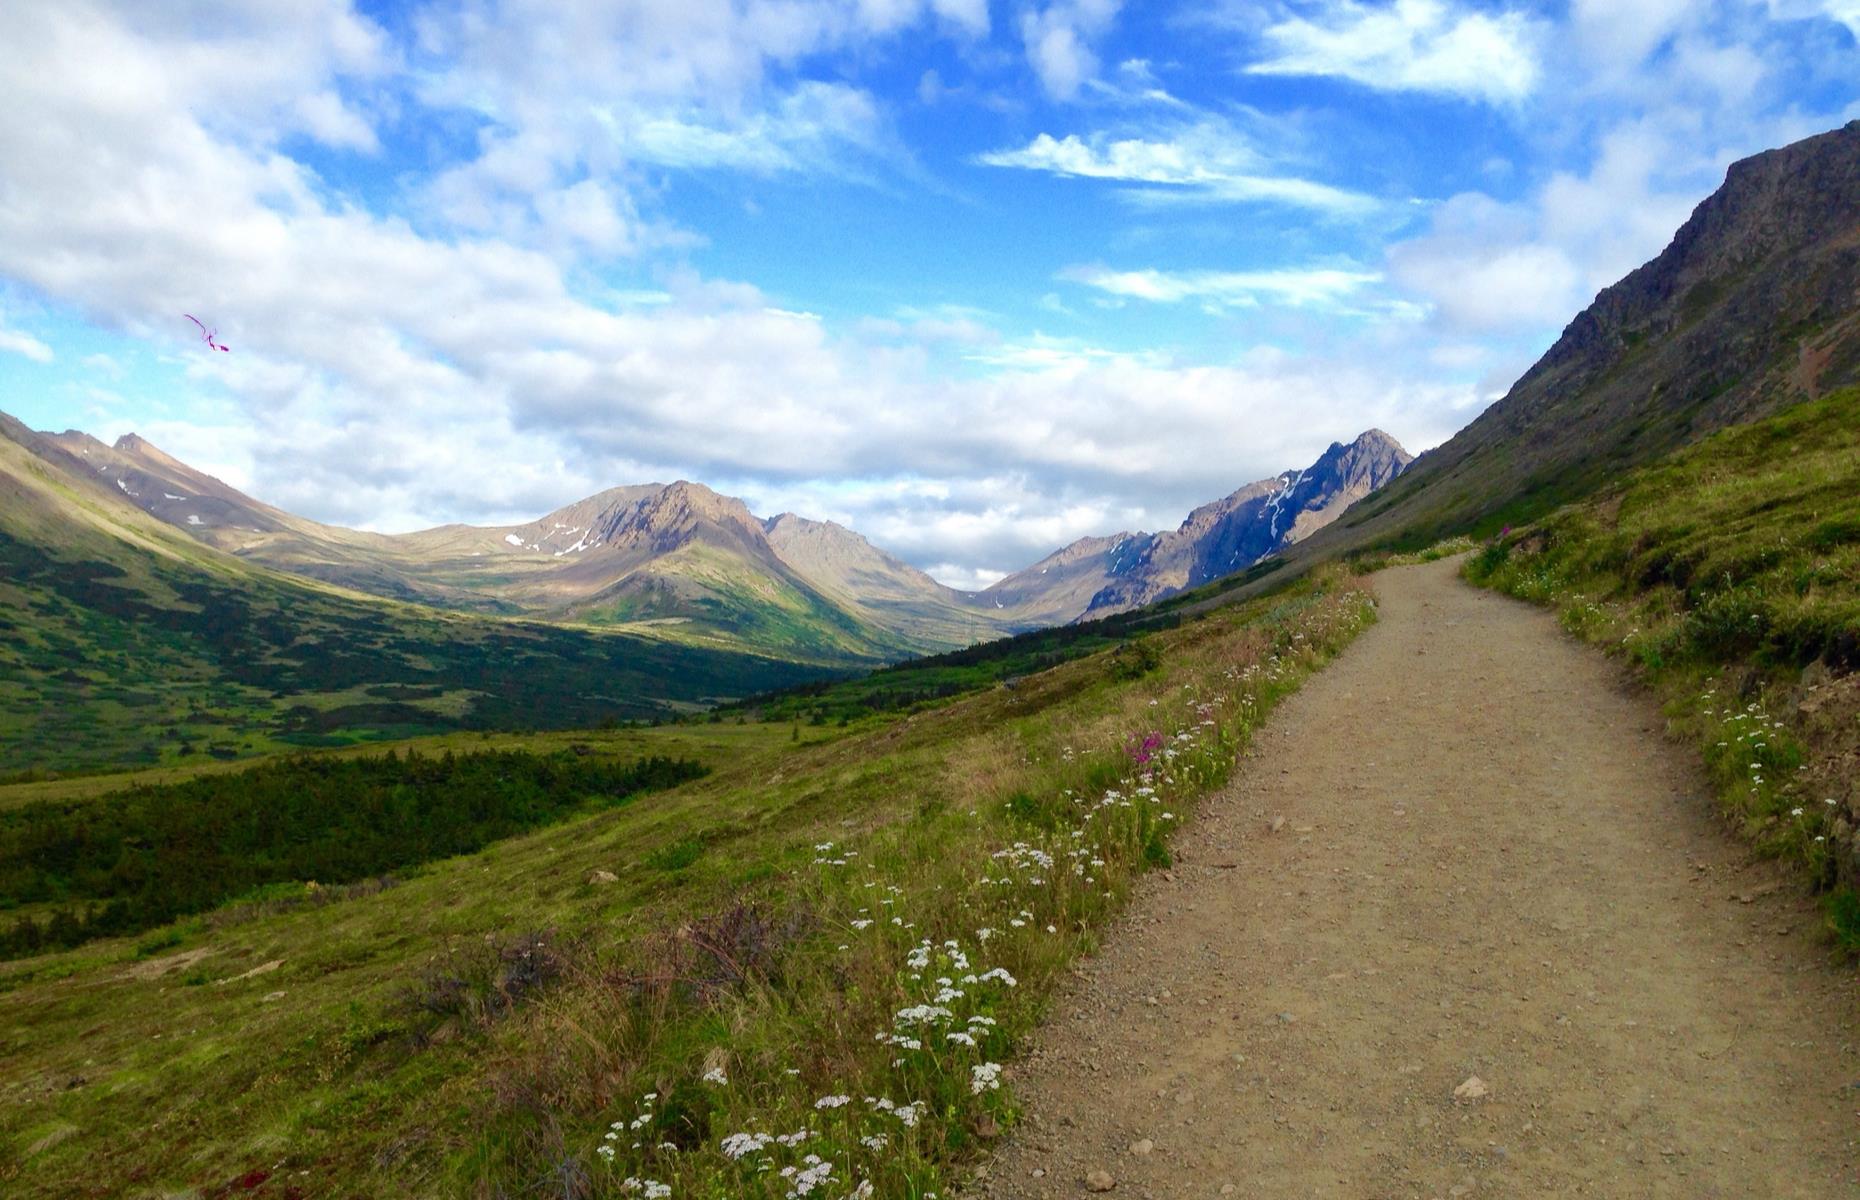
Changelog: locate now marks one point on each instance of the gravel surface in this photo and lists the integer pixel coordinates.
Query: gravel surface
(1496, 945)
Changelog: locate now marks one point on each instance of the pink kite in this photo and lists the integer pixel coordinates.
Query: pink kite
(207, 334)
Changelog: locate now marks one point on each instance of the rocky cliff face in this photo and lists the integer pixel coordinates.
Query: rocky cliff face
(1099, 575)
(1754, 305)
(1262, 518)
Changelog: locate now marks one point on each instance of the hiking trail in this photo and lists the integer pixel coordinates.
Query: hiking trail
(1493, 864)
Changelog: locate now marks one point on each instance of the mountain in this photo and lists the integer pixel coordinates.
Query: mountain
(1060, 587)
(691, 565)
(883, 590)
(1133, 569)
(123, 641)
(1754, 306)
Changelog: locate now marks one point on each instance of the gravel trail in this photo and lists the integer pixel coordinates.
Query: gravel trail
(1491, 865)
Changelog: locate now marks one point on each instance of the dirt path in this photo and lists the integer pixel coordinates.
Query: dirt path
(1491, 864)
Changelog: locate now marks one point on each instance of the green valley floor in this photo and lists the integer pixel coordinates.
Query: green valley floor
(1465, 925)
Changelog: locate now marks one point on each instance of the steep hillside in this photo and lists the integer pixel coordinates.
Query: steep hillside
(125, 643)
(1754, 306)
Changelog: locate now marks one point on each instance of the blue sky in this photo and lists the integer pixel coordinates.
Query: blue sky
(973, 277)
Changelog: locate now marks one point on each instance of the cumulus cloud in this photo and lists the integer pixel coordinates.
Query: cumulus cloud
(1206, 162)
(1409, 45)
(391, 377)
(1677, 99)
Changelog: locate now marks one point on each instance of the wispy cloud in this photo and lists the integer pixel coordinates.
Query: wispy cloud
(15, 341)
(1410, 45)
(1205, 162)
(1318, 287)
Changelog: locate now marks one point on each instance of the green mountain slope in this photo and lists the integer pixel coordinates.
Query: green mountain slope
(696, 562)
(126, 642)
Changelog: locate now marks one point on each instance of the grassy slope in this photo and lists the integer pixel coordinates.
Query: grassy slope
(125, 643)
(130, 1074)
(1729, 574)
(711, 597)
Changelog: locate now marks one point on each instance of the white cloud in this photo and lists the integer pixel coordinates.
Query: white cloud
(391, 378)
(15, 341)
(1059, 42)
(326, 118)
(1845, 12)
(970, 16)
(1321, 287)
(1613, 35)
(1205, 162)
(1485, 270)
(1410, 45)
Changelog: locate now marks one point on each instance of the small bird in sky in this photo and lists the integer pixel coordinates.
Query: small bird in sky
(206, 334)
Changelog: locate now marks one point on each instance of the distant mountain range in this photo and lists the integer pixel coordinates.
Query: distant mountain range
(703, 567)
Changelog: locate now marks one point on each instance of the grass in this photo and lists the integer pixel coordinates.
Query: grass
(733, 947)
(923, 683)
(1729, 575)
(1379, 560)
(143, 856)
(114, 655)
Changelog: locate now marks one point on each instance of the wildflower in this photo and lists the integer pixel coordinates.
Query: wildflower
(984, 1077)
(832, 1101)
(742, 1145)
(715, 1075)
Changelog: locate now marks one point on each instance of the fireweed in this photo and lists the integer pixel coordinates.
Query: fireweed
(871, 1061)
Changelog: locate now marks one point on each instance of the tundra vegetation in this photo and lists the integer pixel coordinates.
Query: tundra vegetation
(807, 972)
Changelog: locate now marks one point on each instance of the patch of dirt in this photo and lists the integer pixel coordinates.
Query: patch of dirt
(155, 968)
(1465, 856)
(264, 968)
